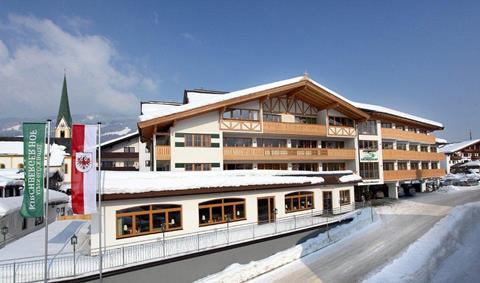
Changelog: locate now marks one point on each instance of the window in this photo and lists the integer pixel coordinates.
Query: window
(62, 134)
(305, 120)
(298, 201)
(107, 164)
(147, 163)
(401, 146)
(368, 128)
(368, 145)
(305, 166)
(271, 143)
(24, 223)
(304, 143)
(412, 147)
(413, 165)
(434, 165)
(241, 114)
(333, 166)
(424, 148)
(388, 166)
(238, 166)
(433, 148)
(129, 149)
(237, 142)
(2, 166)
(345, 197)
(20, 166)
(333, 144)
(423, 131)
(221, 210)
(198, 140)
(272, 117)
(400, 127)
(386, 125)
(198, 167)
(163, 166)
(412, 129)
(39, 220)
(402, 165)
(340, 121)
(272, 166)
(387, 145)
(162, 140)
(425, 165)
(148, 219)
(369, 170)
(129, 163)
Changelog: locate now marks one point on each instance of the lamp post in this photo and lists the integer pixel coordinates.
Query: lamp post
(73, 242)
(228, 228)
(4, 233)
(275, 212)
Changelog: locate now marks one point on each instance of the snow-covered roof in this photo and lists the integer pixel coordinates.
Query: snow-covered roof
(11, 148)
(112, 141)
(441, 141)
(382, 109)
(139, 182)
(453, 147)
(11, 204)
(153, 108)
(199, 96)
(57, 152)
(204, 99)
(474, 163)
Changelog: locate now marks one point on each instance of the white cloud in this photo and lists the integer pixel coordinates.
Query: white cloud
(31, 72)
(187, 36)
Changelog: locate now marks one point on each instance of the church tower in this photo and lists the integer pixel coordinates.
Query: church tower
(63, 128)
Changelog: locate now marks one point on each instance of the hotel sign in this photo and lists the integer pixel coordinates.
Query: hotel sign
(33, 160)
(368, 156)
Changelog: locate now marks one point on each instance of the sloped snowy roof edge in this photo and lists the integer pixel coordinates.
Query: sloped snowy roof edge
(453, 147)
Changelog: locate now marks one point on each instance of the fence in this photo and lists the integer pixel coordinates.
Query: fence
(71, 265)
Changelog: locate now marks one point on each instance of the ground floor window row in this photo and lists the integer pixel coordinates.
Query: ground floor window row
(160, 218)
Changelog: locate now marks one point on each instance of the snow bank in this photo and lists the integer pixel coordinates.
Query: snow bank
(421, 260)
(11, 204)
(243, 272)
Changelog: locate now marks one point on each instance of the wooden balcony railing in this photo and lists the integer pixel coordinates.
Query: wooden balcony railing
(407, 136)
(162, 152)
(286, 154)
(392, 154)
(341, 131)
(397, 175)
(294, 129)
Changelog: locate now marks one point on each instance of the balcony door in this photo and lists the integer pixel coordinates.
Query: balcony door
(327, 202)
(266, 209)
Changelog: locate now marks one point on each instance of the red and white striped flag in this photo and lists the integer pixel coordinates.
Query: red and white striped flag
(84, 173)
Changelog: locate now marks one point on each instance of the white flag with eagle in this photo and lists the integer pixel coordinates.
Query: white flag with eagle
(84, 173)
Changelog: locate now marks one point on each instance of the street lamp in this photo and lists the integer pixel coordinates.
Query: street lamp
(228, 230)
(73, 242)
(275, 212)
(163, 227)
(4, 233)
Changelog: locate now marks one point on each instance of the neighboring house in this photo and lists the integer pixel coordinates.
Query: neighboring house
(121, 154)
(459, 153)
(295, 124)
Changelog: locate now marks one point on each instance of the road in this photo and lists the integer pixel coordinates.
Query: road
(354, 258)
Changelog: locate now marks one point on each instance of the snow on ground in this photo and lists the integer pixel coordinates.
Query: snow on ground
(451, 188)
(449, 252)
(59, 233)
(11, 204)
(243, 272)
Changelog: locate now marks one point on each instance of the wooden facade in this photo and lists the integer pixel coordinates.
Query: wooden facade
(162, 152)
(399, 175)
(294, 129)
(397, 134)
(287, 154)
(392, 154)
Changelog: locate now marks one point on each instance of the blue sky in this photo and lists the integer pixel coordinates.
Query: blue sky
(422, 57)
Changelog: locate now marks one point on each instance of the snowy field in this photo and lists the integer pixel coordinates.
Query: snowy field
(241, 273)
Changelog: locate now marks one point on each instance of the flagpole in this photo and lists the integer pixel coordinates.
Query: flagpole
(46, 201)
(99, 190)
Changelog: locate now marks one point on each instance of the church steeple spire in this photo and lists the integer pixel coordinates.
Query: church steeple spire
(64, 119)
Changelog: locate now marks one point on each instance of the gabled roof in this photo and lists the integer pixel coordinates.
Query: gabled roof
(119, 139)
(64, 109)
(303, 87)
(453, 147)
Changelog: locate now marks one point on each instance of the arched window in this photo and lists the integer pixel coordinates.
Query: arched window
(2, 166)
(20, 166)
(221, 211)
(298, 201)
(148, 219)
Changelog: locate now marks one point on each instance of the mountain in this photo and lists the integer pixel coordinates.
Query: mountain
(112, 126)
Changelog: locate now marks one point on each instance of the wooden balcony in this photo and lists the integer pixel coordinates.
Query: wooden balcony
(392, 154)
(398, 175)
(396, 134)
(294, 129)
(162, 152)
(286, 154)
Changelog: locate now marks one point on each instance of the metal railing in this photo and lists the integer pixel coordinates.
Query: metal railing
(71, 265)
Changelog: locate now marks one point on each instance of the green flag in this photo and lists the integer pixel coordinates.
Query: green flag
(33, 160)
